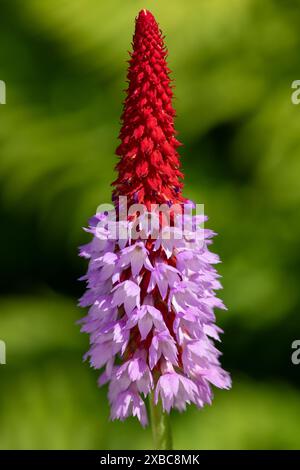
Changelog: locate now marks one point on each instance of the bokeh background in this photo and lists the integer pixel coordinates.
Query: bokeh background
(63, 62)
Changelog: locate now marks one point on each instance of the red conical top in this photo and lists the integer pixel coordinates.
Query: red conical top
(148, 170)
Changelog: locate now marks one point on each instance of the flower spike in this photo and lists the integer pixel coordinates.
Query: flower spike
(151, 292)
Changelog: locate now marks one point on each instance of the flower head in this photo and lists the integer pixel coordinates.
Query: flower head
(151, 320)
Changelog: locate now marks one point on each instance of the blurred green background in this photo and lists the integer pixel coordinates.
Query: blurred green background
(63, 62)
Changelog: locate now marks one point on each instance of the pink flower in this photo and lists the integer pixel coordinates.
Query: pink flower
(146, 317)
(151, 300)
(127, 294)
(175, 391)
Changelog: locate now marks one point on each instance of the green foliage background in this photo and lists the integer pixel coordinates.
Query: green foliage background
(63, 62)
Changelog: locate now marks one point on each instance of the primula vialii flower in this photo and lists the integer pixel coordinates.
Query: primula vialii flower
(151, 320)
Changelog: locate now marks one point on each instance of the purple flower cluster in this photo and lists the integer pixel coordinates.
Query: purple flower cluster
(151, 319)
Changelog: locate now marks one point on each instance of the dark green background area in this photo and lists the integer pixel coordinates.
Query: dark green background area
(64, 64)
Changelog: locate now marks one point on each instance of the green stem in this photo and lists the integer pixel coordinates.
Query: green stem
(160, 423)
